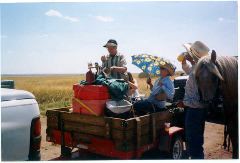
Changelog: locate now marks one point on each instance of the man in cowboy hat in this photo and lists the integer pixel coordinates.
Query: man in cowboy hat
(161, 90)
(194, 52)
(114, 63)
(195, 110)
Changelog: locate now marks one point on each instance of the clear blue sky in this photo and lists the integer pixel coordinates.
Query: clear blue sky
(63, 37)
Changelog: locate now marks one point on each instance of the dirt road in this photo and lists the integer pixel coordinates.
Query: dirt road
(213, 144)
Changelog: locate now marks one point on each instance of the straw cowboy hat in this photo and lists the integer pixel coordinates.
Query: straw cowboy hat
(196, 50)
(168, 66)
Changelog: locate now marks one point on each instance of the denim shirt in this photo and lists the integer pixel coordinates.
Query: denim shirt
(167, 88)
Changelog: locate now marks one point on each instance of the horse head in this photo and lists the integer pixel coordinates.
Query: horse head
(208, 78)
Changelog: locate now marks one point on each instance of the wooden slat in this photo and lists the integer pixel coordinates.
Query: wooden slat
(131, 144)
(63, 109)
(127, 124)
(52, 122)
(154, 127)
(53, 117)
(81, 118)
(129, 134)
(103, 131)
(85, 128)
(84, 138)
(139, 132)
(116, 123)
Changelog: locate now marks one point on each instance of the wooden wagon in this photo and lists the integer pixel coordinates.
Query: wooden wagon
(114, 137)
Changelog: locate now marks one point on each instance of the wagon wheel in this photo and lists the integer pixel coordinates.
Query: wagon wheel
(177, 148)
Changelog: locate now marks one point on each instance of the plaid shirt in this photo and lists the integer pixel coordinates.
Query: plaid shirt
(116, 60)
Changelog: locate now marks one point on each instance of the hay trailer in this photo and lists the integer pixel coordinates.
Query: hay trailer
(114, 137)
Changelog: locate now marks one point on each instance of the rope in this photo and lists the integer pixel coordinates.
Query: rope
(85, 106)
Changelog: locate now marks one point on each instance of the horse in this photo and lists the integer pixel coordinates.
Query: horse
(218, 76)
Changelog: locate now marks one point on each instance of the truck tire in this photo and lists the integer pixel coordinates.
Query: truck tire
(66, 152)
(36, 156)
(176, 150)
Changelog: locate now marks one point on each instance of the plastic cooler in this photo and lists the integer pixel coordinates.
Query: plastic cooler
(91, 92)
(94, 107)
(90, 99)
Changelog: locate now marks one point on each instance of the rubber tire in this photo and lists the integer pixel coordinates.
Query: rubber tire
(36, 156)
(176, 139)
(66, 152)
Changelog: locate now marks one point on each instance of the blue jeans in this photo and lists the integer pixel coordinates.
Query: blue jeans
(144, 106)
(194, 128)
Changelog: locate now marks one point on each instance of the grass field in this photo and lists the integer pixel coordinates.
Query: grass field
(52, 91)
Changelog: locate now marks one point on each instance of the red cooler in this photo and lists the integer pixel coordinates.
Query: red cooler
(90, 107)
(91, 92)
(90, 99)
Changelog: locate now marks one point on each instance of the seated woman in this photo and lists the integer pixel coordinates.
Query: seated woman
(162, 90)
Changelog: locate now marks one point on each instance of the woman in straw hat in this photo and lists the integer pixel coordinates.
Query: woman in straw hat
(161, 90)
(195, 110)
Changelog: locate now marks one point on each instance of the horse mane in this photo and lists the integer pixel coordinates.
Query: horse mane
(227, 66)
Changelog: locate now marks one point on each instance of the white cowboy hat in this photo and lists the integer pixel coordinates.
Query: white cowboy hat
(196, 50)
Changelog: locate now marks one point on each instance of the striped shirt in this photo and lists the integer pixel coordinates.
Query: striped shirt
(116, 60)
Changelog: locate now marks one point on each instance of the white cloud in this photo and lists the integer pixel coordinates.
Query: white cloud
(55, 13)
(72, 19)
(104, 18)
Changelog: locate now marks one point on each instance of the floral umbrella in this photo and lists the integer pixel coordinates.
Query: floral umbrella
(148, 63)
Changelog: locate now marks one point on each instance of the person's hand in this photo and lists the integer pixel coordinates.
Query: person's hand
(184, 61)
(103, 58)
(180, 104)
(106, 71)
(149, 81)
(190, 59)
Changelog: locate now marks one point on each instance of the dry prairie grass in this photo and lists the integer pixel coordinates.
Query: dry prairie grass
(54, 91)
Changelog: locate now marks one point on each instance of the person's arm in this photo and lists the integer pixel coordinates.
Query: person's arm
(185, 66)
(132, 85)
(149, 82)
(104, 60)
(122, 68)
(118, 69)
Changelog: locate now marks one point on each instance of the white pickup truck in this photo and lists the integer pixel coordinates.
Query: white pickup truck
(20, 126)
